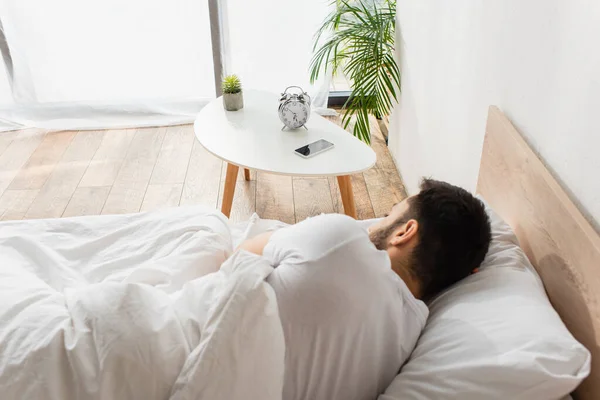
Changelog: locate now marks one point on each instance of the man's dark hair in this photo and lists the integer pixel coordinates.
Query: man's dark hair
(454, 235)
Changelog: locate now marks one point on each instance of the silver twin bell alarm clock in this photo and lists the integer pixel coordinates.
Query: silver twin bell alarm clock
(294, 108)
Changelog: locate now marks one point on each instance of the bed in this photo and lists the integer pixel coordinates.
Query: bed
(561, 244)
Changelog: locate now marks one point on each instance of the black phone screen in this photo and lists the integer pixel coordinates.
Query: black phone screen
(314, 147)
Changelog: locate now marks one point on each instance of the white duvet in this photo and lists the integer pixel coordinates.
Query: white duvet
(135, 307)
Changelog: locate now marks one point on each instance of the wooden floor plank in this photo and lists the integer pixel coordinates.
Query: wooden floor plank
(56, 193)
(244, 201)
(136, 170)
(383, 181)
(371, 188)
(107, 161)
(147, 142)
(275, 197)
(311, 197)
(125, 198)
(386, 162)
(14, 203)
(381, 194)
(121, 171)
(172, 163)
(161, 196)
(83, 147)
(38, 168)
(16, 155)
(202, 182)
(364, 207)
(87, 201)
(129, 189)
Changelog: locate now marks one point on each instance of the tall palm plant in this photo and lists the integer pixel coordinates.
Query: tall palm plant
(358, 39)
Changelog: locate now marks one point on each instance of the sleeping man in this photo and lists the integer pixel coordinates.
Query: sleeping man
(351, 301)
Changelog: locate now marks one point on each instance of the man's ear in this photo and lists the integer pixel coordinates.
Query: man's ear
(405, 233)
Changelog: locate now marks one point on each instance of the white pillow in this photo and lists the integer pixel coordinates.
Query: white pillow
(493, 336)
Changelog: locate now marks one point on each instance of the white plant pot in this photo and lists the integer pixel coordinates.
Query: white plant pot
(233, 101)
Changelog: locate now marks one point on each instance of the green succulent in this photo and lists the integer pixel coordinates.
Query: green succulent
(358, 38)
(232, 84)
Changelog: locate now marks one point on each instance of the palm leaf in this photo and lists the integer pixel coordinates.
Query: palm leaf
(360, 41)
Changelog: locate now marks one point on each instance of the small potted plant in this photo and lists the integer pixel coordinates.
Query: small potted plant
(233, 98)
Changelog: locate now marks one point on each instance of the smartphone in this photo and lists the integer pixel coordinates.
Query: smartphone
(314, 148)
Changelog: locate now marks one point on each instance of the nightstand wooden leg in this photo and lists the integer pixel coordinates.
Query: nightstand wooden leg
(229, 190)
(246, 174)
(345, 185)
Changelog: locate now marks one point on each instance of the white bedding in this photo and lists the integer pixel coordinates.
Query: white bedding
(135, 307)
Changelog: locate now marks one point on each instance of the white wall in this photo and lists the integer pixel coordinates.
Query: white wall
(538, 60)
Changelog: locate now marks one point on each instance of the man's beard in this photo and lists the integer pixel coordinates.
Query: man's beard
(380, 237)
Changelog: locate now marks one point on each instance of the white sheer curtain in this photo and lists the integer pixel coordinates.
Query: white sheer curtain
(5, 99)
(119, 63)
(107, 63)
(268, 43)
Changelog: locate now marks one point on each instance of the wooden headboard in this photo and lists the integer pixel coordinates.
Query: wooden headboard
(559, 241)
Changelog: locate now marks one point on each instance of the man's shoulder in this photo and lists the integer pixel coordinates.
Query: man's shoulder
(337, 227)
(337, 222)
(325, 234)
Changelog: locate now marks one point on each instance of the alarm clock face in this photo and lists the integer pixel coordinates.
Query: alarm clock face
(294, 114)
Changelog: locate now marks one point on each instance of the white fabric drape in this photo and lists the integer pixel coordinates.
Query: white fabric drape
(109, 63)
(268, 43)
(6, 99)
(121, 63)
